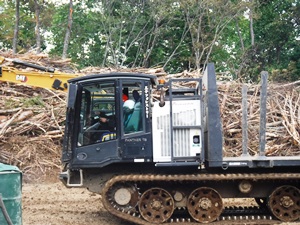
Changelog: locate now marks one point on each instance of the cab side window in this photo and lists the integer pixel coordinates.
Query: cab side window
(132, 107)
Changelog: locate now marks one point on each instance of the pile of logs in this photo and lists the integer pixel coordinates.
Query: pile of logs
(32, 120)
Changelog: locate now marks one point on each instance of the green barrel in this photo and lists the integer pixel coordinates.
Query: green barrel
(11, 194)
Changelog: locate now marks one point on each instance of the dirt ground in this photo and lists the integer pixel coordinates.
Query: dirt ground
(54, 204)
(51, 203)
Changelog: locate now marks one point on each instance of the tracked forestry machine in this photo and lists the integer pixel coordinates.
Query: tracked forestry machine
(154, 151)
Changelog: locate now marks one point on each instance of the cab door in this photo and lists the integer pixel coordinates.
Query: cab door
(135, 121)
(98, 128)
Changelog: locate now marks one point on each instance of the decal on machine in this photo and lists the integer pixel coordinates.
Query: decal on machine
(147, 101)
(21, 78)
(136, 140)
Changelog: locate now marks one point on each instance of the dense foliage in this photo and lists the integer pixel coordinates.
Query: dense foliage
(242, 37)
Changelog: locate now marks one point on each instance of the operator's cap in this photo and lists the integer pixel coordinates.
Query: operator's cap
(124, 97)
(102, 114)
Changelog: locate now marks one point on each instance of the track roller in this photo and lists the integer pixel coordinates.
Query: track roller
(284, 203)
(124, 197)
(156, 205)
(205, 205)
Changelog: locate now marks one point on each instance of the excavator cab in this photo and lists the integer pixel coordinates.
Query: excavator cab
(123, 135)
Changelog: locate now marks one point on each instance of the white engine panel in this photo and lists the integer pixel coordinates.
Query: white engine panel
(185, 113)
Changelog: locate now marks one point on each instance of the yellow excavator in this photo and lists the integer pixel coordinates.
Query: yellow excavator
(43, 77)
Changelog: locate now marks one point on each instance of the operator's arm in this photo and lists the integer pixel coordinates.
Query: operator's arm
(93, 127)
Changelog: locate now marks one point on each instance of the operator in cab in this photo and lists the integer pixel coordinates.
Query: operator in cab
(103, 129)
(103, 122)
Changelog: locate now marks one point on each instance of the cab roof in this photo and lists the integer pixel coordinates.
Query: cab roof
(115, 75)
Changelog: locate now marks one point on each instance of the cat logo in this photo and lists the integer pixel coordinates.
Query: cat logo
(21, 78)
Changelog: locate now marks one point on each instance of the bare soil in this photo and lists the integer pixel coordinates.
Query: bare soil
(54, 204)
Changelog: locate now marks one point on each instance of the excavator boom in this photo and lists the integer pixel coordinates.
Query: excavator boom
(44, 77)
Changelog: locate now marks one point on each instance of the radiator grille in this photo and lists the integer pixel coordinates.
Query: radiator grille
(181, 137)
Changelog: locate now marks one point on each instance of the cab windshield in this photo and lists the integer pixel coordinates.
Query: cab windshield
(98, 121)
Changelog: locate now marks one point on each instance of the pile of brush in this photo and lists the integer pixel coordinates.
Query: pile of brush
(32, 119)
(283, 119)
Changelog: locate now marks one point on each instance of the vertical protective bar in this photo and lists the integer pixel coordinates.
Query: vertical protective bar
(213, 132)
(244, 121)
(171, 121)
(263, 113)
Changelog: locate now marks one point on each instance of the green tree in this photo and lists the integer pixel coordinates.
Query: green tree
(26, 38)
(277, 29)
(176, 35)
(7, 12)
(206, 21)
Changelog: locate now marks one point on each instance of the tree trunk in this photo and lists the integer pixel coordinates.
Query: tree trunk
(16, 30)
(251, 26)
(239, 34)
(37, 26)
(68, 31)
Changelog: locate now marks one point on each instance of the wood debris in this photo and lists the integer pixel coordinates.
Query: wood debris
(283, 124)
(31, 129)
(32, 119)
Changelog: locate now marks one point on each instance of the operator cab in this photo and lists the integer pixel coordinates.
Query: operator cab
(110, 120)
